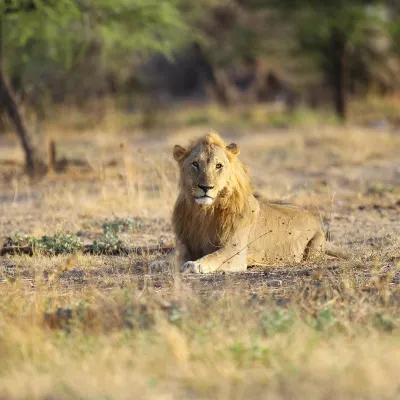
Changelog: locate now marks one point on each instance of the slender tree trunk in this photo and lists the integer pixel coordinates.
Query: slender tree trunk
(35, 166)
(339, 76)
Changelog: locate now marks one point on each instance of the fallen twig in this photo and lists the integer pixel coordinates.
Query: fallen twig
(87, 249)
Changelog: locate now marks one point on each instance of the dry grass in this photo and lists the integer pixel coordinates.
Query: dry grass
(100, 327)
(330, 336)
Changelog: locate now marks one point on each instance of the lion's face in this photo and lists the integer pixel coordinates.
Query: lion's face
(205, 171)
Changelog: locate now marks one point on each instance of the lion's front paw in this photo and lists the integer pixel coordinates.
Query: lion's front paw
(192, 267)
(159, 266)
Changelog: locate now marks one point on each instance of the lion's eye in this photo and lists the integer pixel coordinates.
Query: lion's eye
(195, 164)
(218, 166)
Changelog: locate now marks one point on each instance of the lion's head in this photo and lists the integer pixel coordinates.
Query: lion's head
(209, 169)
(214, 193)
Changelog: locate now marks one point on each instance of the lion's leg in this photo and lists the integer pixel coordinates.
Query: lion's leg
(221, 260)
(316, 246)
(232, 257)
(173, 261)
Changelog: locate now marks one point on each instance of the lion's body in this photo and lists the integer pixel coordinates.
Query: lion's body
(284, 233)
(224, 227)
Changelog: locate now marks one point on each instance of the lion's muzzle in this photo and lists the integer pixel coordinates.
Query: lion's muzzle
(204, 198)
(204, 201)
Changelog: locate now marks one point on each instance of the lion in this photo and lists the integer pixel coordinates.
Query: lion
(221, 226)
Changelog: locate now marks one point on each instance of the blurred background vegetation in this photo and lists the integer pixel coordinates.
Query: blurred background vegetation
(339, 59)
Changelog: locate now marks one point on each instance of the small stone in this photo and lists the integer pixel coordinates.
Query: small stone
(385, 269)
(274, 282)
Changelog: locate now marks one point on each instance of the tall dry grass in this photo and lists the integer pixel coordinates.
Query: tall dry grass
(328, 338)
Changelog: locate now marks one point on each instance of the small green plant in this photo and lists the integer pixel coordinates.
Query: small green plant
(60, 243)
(276, 322)
(243, 353)
(383, 322)
(323, 320)
(379, 189)
(122, 225)
(108, 244)
(176, 315)
(18, 240)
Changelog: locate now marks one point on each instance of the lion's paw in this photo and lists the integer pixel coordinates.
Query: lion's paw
(192, 267)
(159, 266)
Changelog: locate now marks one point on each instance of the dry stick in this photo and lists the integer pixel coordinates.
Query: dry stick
(247, 245)
(328, 232)
(88, 249)
(52, 155)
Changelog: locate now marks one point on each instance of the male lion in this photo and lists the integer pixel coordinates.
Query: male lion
(220, 225)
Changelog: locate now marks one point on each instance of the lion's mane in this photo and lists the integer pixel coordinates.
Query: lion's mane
(217, 222)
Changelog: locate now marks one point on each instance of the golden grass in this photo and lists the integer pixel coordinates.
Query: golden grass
(332, 338)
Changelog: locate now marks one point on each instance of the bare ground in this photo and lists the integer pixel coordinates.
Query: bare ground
(350, 177)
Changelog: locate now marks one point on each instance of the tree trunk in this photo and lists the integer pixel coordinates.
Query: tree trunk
(35, 165)
(339, 70)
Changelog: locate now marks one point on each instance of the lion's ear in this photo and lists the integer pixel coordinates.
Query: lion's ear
(179, 153)
(233, 148)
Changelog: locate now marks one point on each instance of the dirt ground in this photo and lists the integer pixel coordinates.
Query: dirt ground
(350, 176)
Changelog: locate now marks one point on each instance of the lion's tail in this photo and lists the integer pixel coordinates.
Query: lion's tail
(334, 251)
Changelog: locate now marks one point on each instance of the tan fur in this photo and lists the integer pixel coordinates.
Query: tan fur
(220, 225)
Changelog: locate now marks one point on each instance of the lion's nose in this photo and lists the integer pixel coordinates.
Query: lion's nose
(206, 188)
